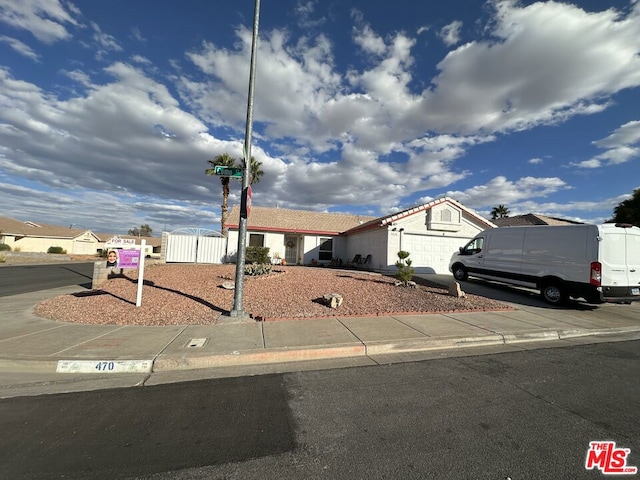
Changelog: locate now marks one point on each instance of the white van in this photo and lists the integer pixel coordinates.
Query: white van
(600, 263)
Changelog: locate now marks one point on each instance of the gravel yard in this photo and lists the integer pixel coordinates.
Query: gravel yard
(192, 295)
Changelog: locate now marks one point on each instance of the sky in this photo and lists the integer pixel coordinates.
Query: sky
(110, 110)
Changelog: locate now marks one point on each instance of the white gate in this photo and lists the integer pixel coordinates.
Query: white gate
(195, 245)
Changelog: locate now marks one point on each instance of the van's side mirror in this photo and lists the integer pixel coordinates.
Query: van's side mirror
(461, 249)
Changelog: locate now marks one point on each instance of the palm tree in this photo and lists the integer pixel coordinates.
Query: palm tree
(224, 160)
(254, 171)
(499, 212)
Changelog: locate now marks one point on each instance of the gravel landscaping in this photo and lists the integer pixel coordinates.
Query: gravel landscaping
(193, 295)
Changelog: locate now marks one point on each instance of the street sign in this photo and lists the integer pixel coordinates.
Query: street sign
(233, 172)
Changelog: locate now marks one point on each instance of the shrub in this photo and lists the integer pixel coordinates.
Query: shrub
(257, 255)
(255, 269)
(3, 257)
(405, 270)
(57, 250)
(4, 247)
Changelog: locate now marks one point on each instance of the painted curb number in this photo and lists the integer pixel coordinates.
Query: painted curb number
(104, 366)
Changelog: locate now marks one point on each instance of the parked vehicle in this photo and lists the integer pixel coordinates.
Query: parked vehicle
(600, 263)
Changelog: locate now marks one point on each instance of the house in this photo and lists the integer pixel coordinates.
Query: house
(297, 236)
(39, 237)
(532, 219)
(34, 237)
(429, 232)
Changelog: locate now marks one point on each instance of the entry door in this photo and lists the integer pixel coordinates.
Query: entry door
(291, 249)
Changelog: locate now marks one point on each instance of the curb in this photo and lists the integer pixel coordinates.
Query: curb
(164, 364)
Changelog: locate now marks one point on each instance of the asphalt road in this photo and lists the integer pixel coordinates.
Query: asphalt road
(523, 415)
(31, 278)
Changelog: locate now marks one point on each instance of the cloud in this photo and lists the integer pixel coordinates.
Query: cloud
(20, 47)
(450, 34)
(45, 19)
(622, 146)
(546, 63)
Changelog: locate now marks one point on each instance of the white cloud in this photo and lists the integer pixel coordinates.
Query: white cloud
(20, 47)
(45, 19)
(622, 145)
(450, 34)
(551, 61)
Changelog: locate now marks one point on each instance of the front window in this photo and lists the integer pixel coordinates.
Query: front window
(256, 240)
(326, 249)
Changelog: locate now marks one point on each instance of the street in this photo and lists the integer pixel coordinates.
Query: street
(520, 415)
(31, 278)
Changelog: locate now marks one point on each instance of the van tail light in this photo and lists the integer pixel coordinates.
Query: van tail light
(596, 273)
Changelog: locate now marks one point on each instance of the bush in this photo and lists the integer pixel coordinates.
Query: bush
(257, 255)
(405, 270)
(4, 247)
(57, 250)
(256, 269)
(3, 257)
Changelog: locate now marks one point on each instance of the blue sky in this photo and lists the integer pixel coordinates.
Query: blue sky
(109, 110)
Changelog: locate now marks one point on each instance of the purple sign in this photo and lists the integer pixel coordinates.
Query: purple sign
(120, 258)
(129, 258)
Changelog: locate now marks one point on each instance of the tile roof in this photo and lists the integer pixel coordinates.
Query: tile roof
(300, 221)
(532, 219)
(383, 221)
(10, 226)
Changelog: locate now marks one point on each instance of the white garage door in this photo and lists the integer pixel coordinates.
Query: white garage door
(431, 254)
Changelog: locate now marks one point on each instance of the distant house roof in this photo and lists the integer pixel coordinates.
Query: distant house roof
(296, 221)
(153, 241)
(532, 219)
(389, 219)
(10, 226)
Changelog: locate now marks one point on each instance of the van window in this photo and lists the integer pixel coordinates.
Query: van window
(473, 247)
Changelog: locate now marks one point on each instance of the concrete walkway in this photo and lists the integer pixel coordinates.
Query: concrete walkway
(31, 344)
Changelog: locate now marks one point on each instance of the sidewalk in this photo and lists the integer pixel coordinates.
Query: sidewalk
(31, 344)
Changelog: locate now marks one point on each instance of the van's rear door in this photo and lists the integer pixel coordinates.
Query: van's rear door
(620, 257)
(632, 243)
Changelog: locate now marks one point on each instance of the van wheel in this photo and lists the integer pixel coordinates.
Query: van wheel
(553, 293)
(460, 273)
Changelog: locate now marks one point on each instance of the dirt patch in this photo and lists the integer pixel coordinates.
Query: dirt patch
(193, 295)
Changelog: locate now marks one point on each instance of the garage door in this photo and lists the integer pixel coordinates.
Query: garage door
(431, 254)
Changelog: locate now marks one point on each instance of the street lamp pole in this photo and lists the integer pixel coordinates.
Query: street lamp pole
(238, 309)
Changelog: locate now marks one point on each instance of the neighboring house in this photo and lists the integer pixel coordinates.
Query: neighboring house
(429, 232)
(298, 236)
(532, 219)
(152, 249)
(39, 237)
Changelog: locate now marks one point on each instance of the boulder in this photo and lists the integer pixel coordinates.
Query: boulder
(333, 300)
(228, 285)
(456, 291)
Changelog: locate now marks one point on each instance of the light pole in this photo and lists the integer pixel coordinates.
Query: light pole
(238, 309)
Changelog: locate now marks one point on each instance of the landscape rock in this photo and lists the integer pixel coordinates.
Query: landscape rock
(456, 291)
(333, 300)
(228, 285)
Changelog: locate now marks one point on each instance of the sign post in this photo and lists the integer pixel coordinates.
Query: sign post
(143, 245)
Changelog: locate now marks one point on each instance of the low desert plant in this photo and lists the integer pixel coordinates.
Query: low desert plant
(4, 247)
(57, 250)
(256, 269)
(3, 257)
